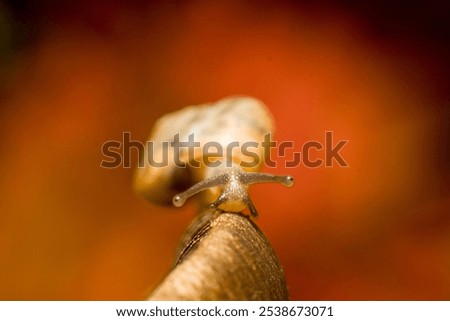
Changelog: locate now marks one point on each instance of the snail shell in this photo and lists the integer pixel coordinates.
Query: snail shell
(233, 120)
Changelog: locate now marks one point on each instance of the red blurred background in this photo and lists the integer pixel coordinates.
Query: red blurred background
(76, 75)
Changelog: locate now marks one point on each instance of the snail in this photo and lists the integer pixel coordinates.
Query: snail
(216, 148)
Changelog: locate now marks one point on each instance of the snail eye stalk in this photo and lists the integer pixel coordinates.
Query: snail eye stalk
(254, 178)
(218, 180)
(234, 185)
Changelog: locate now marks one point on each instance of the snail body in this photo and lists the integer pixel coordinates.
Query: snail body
(210, 127)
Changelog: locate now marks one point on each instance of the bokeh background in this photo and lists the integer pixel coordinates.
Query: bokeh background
(76, 74)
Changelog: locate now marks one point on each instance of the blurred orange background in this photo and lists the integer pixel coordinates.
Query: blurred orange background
(76, 75)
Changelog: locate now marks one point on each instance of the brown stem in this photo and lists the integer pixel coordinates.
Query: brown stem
(224, 256)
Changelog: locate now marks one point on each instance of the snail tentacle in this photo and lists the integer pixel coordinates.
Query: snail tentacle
(222, 199)
(251, 207)
(234, 195)
(255, 178)
(180, 199)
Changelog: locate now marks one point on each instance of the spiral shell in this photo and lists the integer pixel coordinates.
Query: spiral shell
(229, 122)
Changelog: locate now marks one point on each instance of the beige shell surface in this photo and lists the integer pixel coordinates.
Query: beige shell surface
(233, 120)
